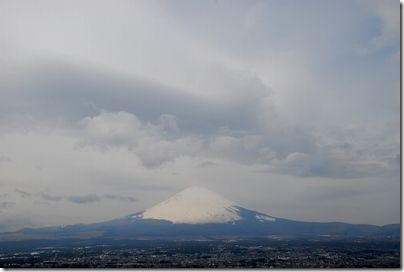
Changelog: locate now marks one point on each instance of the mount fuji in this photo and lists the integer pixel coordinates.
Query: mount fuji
(197, 205)
(198, 213)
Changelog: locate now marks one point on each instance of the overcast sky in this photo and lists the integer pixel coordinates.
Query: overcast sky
(290, 108)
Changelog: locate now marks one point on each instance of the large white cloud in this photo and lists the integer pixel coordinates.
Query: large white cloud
(154, 144)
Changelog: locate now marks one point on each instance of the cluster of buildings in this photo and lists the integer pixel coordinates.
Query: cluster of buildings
(214, 255)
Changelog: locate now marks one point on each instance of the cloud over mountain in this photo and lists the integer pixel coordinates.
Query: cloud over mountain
(166, 95)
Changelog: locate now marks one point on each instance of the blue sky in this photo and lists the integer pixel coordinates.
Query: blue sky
(287, 107)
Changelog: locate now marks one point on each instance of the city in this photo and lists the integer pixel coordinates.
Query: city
(248, 253)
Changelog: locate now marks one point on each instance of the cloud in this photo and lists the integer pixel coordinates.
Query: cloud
(5, 159)
(22, 193)
(84, 199)
(207, 164)
(228, 128)
(120, 198)
(91, 198)
(249, 149)
(295, 163)
(168, 124)
(7, 204)
(337, 191)
(50, 197)
(294, 152)
(388, 15)
(72, 91)
(3, 195)
(154, 144)
(325, 165)
(273, 106)
(343, 152)
(158, 143)
(111, 129)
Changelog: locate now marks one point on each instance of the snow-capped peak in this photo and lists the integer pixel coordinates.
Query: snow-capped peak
(194, 205)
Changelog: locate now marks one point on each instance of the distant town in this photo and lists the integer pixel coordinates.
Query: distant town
(274, 252)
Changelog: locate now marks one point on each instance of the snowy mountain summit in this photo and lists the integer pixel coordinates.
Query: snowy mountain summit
(195, 205)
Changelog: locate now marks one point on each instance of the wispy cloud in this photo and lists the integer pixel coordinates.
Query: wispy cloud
(22, 193)
(50, 197)
(7, 204)
(91, 198)
(120, 198)
(84, 199)
(5, 159)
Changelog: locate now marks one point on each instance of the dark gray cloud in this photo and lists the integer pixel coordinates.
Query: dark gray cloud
(120, 198)
(50, 197)
(7, 204)
(72, 92)
(84, 199)
(91, 198)
(22, 193)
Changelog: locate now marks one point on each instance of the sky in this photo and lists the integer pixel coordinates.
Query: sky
(291, 108)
